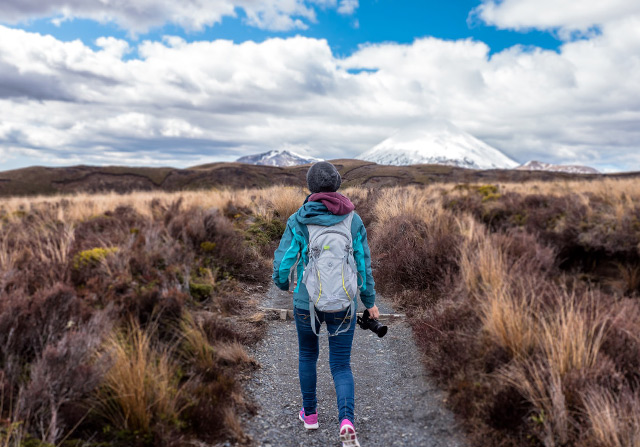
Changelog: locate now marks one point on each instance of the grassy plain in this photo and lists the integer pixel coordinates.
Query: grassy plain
(124, 317)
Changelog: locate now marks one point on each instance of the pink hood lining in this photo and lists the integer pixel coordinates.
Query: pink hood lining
(335, 202)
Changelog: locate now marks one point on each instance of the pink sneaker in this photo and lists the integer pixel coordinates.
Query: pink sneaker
(311, 421)
(348, 434)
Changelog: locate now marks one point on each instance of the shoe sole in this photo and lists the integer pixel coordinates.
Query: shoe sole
(349, 438)
(308, 426)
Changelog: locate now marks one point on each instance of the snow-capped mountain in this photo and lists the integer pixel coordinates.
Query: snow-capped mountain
(279, 157)
(541, 166)
(438, 142)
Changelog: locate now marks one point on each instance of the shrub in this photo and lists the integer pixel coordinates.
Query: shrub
(28, 324)
(92, 258)
(412, 254)
(263, 231)
(364, 199)
(230, 253)
(63, 376)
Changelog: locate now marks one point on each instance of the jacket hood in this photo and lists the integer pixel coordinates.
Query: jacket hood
(316, 213)
(335, 202)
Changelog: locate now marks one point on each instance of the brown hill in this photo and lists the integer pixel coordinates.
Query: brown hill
(39, 180)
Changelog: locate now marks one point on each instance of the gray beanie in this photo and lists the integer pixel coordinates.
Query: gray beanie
(323, 177)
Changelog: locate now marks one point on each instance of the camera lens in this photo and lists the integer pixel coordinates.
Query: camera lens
(373, 325)
(378, 328)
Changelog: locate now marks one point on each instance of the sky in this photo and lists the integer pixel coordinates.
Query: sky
(166, 83)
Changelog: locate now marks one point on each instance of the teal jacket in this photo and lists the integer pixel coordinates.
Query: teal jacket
(294, 247)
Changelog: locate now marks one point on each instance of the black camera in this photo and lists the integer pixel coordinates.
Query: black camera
(372, 324)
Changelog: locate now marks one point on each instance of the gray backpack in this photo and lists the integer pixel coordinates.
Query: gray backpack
(331, 276)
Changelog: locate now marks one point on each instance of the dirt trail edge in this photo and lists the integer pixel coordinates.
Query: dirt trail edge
(396, 403)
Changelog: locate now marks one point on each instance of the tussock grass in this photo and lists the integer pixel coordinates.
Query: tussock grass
(571, 338)
(233, 353)
(82, 206)
(543, 388)
(410, 201)
(286, 201)
(142, 384)
(614, 419)
(510, 322)
(483, 266)
(195, 343)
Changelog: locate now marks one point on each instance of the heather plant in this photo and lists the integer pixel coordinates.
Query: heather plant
(365, 200)
(28, 324)
(416, 245)
(416, 255)
(61, 379)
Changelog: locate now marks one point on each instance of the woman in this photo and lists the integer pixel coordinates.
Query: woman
(324, 207)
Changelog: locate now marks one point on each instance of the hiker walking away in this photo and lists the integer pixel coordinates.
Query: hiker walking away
(325, 242)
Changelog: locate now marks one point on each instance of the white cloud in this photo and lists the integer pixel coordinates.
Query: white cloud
(185, 103)
(115, 47)
(348, 7)
(568, 16)
(138, 16)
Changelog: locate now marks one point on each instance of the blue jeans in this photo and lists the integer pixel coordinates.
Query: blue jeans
(339, 360)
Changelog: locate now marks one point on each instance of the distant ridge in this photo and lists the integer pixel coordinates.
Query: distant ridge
(437, 142)
(38, 180)
(571, 169)
(278, 157)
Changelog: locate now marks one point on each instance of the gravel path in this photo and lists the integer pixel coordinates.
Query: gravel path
(396, 404)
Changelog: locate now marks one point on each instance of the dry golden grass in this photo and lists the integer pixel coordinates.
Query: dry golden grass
(232, 424)
(285, 201)
(569, 338)
(6, 255)
(233, 353)
(614, 421)
(408, 201)
(543, 388)
(195, 344)
(508, 316)
(620, 193)
(142, 383)
(624, 191)
(510, 321)
(52, 246)
(79, 207)
(483, 265)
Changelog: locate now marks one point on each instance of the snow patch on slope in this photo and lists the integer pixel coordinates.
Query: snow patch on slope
(534, 165)
(278, 157)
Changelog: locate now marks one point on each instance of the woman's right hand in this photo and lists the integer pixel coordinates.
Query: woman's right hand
(374, 312)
